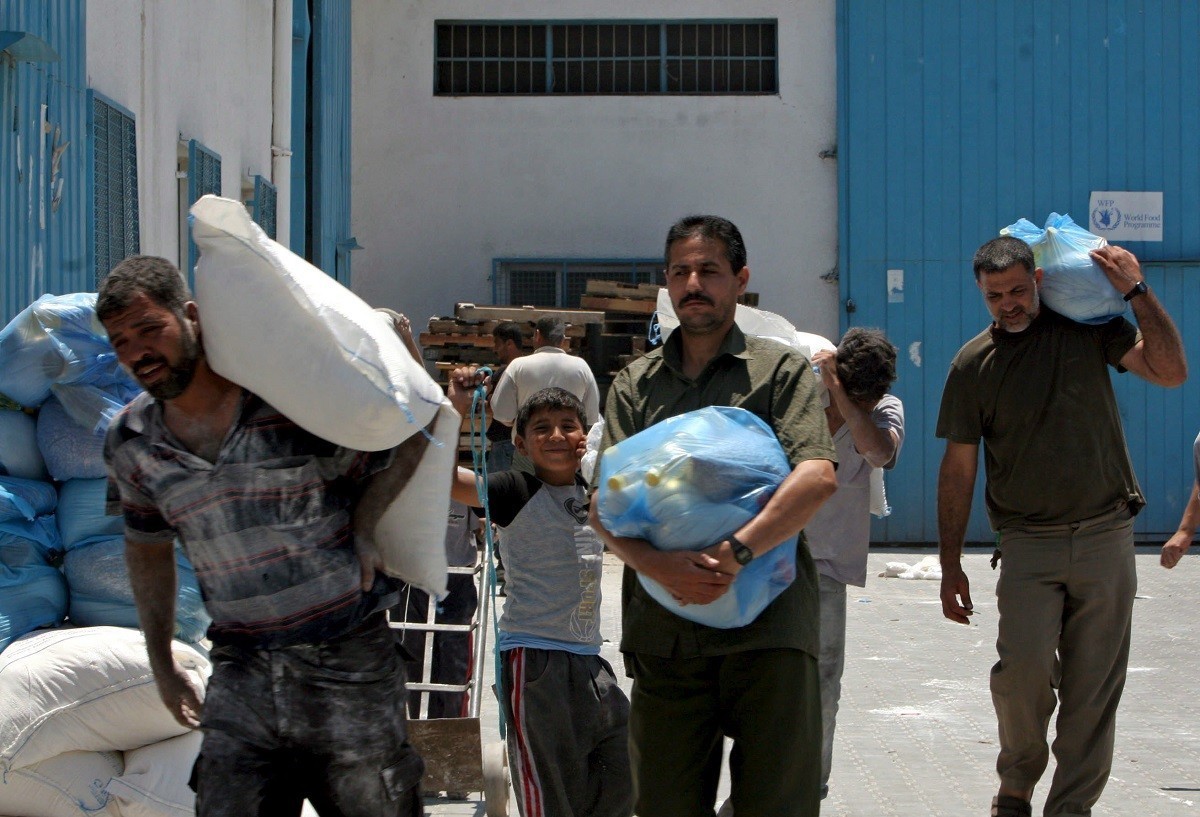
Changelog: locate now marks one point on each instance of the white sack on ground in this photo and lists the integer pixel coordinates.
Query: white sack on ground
(278, 326)
(85, 688)
(928, 568)
(68, 785)
(155, 782)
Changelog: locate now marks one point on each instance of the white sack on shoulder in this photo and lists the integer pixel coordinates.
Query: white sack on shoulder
(278, 326)
(411, 534)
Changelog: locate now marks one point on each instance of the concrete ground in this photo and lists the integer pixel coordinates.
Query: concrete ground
(916, 733)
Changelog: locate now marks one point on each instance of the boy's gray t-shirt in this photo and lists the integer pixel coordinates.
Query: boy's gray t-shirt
(839, 534)
(552, 564)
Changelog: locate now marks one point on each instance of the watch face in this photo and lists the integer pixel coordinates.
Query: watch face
(743, 554)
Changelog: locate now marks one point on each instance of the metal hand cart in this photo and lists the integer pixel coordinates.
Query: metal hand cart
(455, 758)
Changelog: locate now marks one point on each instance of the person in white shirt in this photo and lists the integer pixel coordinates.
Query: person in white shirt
(549, 365)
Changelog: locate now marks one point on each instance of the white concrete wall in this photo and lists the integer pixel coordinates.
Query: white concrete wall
(187, 71)
(444, 185)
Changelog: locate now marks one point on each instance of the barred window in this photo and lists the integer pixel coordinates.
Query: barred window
(262, 205)
(201, 167)
(588, 57)
(116, 234)
(549, 283)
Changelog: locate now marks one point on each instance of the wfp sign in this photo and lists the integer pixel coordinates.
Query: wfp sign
(1124, 216)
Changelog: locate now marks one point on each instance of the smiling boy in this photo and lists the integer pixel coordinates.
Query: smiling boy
(566, 715)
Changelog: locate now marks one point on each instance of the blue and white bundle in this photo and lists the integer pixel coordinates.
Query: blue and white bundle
(1072, 283)
(688, 482)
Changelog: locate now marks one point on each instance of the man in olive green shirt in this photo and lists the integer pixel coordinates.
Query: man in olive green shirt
(1034, 387)
(694, 685)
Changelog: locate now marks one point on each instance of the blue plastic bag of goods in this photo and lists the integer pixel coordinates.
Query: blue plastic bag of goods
(100, 593)
(57, 343)
(688, 482)
(71, 450)
(31, 596)
(30, 541)
(19, 454)
(1072, 283)
(80, 515)
(25, 498)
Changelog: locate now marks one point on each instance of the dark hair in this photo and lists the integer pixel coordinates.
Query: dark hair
(1001, 253)
(549, 399)
(866, 364)
(552, 329)
(711, 227)
(508, 330)
(157, 278)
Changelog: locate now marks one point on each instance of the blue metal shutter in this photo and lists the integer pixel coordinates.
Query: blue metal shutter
(263, 206)
(115, 232)
(203, 177)
(955, 119)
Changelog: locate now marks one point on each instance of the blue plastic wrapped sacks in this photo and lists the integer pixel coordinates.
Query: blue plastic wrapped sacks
(100, 593)
(25, 498)
(57, 345)
(70, 450)
(685, 484)
(1072, 283)
(81, 516)
(19, 453)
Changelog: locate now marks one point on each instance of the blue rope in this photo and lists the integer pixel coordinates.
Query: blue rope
(479, 466)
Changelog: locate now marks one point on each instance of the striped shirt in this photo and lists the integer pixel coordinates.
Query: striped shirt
(267, 526)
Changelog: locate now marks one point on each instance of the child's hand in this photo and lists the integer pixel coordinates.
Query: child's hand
(463, 382)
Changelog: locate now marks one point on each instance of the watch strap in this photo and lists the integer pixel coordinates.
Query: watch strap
(741, 552)
(1139, 288)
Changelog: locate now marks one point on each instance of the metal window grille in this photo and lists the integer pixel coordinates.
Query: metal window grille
(590, 57)
(203, 177)
(116, 233)
(262, 207)
(561, 283)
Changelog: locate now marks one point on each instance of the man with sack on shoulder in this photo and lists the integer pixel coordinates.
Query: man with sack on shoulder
(307, 694)
(1061, 491)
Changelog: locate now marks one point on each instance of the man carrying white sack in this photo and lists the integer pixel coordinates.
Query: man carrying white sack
(307, 694)
(1035, 387)
(867, 425)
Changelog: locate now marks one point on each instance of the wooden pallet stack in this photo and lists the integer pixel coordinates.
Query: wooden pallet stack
(627, 309)
(466, 339)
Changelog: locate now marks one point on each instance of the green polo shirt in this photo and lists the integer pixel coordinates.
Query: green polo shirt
(774, 382)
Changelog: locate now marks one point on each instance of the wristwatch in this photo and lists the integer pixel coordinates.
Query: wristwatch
(1138, 289)
(741, 554)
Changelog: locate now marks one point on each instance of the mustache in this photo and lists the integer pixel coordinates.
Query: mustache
(148, 360)
(704, 299)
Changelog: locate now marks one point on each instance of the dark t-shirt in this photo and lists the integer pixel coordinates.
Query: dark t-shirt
(1042, 402)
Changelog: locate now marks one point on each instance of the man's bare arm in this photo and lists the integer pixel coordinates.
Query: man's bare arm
(956, 487)
(1159, 357)
(152, 577)
(1178, 544)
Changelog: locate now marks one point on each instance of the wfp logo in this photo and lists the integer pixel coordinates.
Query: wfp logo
(1106, 217)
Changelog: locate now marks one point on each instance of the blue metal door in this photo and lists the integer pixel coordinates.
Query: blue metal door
(44, 179)
(954, 120)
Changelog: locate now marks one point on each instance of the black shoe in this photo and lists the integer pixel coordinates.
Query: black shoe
(1005, 806)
